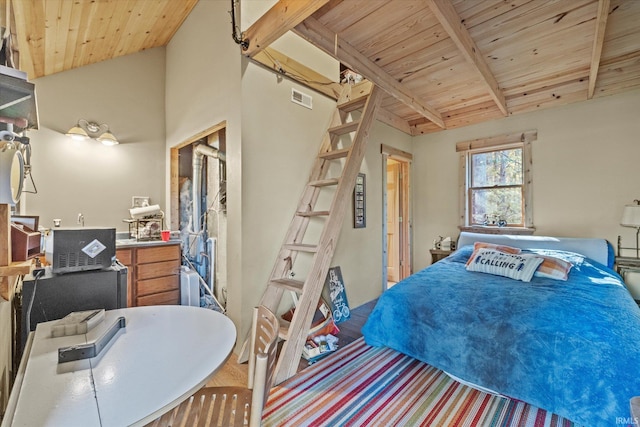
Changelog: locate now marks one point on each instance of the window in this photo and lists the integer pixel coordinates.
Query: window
(495, 188)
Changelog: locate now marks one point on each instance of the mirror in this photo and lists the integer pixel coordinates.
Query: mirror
(11, 175)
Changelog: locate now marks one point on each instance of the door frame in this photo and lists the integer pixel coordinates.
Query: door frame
(406, 246)
(174, 180)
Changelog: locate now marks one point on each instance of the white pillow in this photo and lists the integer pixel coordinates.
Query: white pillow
(514, 266)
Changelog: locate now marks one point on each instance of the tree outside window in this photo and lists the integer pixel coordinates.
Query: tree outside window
(496, 183)
(496, 190)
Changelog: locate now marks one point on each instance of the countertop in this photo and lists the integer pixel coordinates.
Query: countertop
(124, 240)
(133, 243)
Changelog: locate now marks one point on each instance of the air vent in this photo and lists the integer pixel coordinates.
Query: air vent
(301, 98)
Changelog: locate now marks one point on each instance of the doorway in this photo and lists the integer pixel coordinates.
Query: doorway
(397, 215)
(198, 210)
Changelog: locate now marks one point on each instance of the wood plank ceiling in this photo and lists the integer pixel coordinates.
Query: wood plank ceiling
(446, 64)
(58, 35)
(442, 63)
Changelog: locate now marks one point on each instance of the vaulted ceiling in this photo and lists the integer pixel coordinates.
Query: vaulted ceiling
(442, 63)
(58, 35)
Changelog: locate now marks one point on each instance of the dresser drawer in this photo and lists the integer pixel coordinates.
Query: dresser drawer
(158, 269)
(163, 298)
(158, 253)
(125, 256)
(161, 284)
(154, 273)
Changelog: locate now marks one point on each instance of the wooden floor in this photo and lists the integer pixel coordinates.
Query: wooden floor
(235, 374)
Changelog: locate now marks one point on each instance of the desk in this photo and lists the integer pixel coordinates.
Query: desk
(162, 356)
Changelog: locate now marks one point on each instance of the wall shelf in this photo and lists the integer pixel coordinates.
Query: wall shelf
(18, 100)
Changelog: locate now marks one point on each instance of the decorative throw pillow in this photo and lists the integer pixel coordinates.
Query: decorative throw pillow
(553, 268)
(514, 266)
(501, 248)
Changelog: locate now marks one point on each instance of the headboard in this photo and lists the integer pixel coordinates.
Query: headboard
(597, 249)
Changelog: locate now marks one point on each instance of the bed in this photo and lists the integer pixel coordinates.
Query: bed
(570, 346)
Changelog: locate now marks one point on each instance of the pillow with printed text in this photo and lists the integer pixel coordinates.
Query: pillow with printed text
(501, 248)
(515, 266)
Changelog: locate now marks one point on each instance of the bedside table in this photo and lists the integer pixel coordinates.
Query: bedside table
(438, 254)
(626, 265)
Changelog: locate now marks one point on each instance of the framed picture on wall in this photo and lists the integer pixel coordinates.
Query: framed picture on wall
(359, 202)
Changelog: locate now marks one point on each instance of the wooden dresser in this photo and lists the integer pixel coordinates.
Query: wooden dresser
(154, 273)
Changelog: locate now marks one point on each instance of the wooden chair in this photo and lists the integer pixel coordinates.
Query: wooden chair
(234, 406)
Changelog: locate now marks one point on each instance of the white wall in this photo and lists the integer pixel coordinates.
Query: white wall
(585, 169)
(87, 177)
(359, 251)
(203, 74)
(280, 142)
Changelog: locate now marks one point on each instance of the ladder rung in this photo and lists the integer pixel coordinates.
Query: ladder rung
(324, 182)
(302, 248)
(335, 154)
(313, 213)
(353, 104)
(283, 332)
(345, 128)
(289, 284)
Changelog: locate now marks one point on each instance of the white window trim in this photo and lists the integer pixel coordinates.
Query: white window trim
(496, 142)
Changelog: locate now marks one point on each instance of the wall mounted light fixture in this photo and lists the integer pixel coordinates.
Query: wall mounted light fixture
(100, 132)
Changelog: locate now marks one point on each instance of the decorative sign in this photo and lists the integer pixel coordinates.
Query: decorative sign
(337, 295)
(359, 202)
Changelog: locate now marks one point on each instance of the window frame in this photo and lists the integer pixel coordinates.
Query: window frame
(470, 188)
(495, 143)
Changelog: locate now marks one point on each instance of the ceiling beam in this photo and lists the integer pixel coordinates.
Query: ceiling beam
(282, 64)
(282, 17)
(598, 41)
(450, 20)
(286, 66)
(393, 120)
(325, 39)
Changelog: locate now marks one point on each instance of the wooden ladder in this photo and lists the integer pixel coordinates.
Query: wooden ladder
(333, 155)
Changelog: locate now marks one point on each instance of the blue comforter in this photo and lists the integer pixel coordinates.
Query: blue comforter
(572, 348)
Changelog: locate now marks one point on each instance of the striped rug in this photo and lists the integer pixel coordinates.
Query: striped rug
(368, 386)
